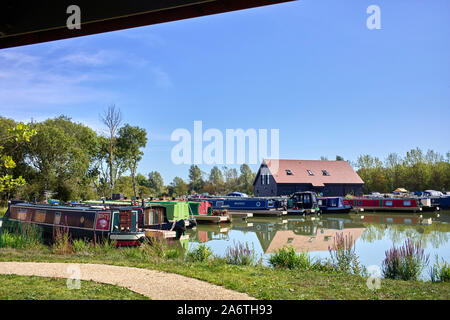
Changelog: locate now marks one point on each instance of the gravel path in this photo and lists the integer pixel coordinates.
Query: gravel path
(154, 284)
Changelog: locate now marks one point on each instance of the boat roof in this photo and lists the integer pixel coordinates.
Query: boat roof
(63, 207)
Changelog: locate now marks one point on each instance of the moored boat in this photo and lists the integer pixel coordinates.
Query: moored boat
(119, 224)
(303, 203)
(332, 205)
(385, 204)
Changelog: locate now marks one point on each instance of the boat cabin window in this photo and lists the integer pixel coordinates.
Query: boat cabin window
(333, 202)
(325, 173)
(289, 172)
(388, 203)
(407, 203)
(310, 172)
(19, 214)
(39, 216)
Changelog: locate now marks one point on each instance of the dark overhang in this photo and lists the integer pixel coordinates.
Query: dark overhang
(24, 22)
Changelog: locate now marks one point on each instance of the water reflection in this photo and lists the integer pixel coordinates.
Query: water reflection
(373, 233)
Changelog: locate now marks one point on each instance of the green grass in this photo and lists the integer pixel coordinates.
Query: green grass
(13, 287)
(258, 281)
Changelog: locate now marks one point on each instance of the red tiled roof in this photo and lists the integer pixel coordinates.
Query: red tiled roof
(339, 171)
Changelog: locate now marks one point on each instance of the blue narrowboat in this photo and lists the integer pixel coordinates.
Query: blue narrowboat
(235, 203)
(333, 205)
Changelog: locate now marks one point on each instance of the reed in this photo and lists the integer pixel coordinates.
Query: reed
(240, 254)
(405, 262)
(343, 255)
(21, 236)
(62, 240)
(440, 271)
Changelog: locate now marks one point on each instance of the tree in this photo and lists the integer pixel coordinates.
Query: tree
(155, 184)
(216, 180)
(195, 179)
(246, 179)
(339, 158)
(62, 157)
(129, 144)
(15, 135)
(180, 188)
(231, 179)
(112, 119)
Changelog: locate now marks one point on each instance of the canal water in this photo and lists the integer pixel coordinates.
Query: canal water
(373, 233)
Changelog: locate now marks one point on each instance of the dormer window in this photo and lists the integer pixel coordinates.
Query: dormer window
(289, 172)
(310, 172)
(325, 173)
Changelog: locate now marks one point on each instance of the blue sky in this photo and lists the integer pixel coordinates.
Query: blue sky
(309, 68)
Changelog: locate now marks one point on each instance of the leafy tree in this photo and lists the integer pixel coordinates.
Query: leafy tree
(216, 181)
(231, 179)
(155, 184)
(180, 188)
(62, 155)
(129, 143)
(339, 158)
(195, 179)
(246, 179)
(14, 135)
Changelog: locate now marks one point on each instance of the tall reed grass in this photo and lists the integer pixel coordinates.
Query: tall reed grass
(21, 236)
(241, 254)
(405, 262)
(343, 255)
(440, 271)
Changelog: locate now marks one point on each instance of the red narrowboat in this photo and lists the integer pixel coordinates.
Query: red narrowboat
(385, 204)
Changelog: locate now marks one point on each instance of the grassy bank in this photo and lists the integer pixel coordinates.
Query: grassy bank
(14, 287)
(258, 281)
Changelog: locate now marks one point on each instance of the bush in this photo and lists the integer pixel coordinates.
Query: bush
(80, 246)
(406, 262)
(201, 253)
(440, 272)
(240, 254)
(343, 255)
(286, 257)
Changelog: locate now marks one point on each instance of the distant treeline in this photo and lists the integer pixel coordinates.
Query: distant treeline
(69, 161)
(416, 171)
(60, 159)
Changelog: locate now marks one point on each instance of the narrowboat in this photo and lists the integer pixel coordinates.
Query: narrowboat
(385, 204)
(303, 203)
(332, 205)
(150, 215)
(119, 223)
(244, 203)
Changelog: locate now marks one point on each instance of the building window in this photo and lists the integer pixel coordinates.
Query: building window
(310, 172)
(325, 173)
(267, 179)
